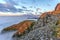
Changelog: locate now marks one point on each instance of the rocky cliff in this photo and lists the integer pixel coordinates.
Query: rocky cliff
(22, 26)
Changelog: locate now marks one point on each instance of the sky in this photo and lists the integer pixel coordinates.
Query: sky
(27, 6)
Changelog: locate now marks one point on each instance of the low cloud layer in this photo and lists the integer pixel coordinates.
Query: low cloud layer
(27, 5)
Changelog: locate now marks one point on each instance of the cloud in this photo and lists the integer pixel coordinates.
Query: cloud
(11, 14)
(48, 4)
(24, 7)
(12, 2)
(8, 8)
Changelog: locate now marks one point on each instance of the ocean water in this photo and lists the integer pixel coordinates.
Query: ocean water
(6, 21)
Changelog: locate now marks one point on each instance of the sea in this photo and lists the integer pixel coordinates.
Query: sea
(6, 21)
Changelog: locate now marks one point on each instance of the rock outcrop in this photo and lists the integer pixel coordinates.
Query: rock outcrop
(21, 27)
(24, 28)
(57, 7)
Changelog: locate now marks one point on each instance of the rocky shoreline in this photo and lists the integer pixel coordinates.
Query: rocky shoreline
(47, 27)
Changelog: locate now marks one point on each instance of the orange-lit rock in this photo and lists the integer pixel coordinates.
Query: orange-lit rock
(26, 26)
(13, 27)
(22, 25)
(57, 7)
(55, 12)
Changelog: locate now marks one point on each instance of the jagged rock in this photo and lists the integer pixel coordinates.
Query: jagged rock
(18, 26)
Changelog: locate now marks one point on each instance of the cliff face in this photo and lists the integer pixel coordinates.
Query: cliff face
(51, 22)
